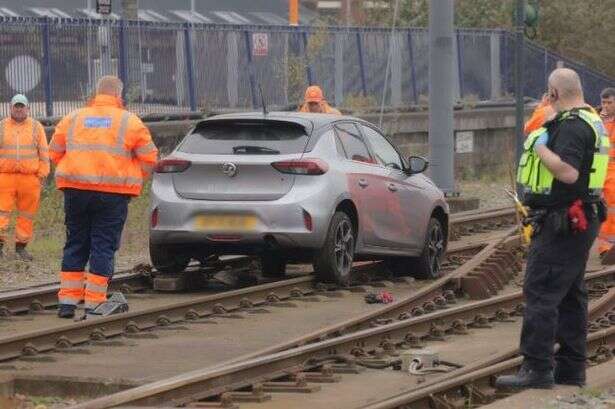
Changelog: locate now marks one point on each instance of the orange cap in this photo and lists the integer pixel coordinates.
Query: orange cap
(313, 94)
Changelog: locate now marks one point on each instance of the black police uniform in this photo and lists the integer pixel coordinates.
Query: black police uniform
(554, 288)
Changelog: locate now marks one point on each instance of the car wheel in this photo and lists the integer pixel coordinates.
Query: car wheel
(273, 265)
(428, 264)
(334, 261)
(167, 261)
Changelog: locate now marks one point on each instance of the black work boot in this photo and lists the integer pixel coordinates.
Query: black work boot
(66, 311)
(526, 378)
(22, 253)
(567, 377)
(1, 249)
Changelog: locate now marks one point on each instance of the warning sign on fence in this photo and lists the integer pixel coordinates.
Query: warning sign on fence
(260, 44)
(103, 6)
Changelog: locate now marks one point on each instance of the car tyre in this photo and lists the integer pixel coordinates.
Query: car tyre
(273, 265)
(334, 261)
(167, 261)
(428, 264)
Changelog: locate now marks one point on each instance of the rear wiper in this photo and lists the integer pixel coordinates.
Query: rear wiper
(254, 149)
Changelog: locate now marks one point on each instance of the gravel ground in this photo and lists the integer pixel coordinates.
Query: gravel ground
(491, 194)
(586, 399)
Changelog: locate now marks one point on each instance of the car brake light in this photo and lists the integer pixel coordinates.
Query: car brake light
(307, 221)
(154, 219)
(172, 165)
(301, 166)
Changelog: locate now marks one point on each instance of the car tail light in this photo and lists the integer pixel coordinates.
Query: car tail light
(301, 166)
(307, 221)
(154, 219)
(172, 165)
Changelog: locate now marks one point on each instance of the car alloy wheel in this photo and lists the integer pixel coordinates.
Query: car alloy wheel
(435, 248)
(344, 248)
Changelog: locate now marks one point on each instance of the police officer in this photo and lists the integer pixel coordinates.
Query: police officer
(563, 166)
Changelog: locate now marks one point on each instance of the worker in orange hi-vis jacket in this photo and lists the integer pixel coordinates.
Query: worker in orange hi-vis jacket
(606, 238)
(103, 154)
(543, 113)
(24, 163)
(315, 102)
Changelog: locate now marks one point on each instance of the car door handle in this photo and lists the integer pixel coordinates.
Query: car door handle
(363, 183)
(392, 187)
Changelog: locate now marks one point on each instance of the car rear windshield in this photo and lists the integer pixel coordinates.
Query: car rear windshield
(246, 138)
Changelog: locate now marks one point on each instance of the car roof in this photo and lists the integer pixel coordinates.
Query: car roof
(302, 118)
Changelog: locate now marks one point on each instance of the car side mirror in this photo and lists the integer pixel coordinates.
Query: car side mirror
(418, 164)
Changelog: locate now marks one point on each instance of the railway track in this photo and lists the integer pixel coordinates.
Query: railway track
(42, 297)
(498, 254)
(196, 309)
(297, 369)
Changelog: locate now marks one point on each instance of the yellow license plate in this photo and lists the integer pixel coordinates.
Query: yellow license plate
(225, 222)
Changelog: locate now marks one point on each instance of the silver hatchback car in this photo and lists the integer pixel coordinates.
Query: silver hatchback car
(296, 187)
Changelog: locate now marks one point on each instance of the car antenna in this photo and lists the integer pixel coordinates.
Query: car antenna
(265, 112)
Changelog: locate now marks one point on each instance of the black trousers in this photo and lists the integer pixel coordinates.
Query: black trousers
(556, 300)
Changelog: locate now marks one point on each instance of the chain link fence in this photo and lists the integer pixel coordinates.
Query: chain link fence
(168, 67)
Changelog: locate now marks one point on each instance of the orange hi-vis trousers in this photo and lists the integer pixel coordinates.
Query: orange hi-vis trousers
(78, 286)
(24, 192)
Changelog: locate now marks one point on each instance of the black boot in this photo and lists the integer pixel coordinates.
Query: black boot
(1, 249)
(22, 253)
(66, 311)
(526, 378)
(568, 377)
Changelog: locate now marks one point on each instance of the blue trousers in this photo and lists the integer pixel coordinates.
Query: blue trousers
(94, 223)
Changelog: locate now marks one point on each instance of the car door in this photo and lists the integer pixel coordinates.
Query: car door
(408, 199)
(367, 186)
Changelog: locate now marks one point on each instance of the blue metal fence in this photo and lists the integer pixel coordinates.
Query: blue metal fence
(168, 67)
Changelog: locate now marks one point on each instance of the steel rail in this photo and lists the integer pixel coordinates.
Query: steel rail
(441, 294)
(67, 335)
(201, 384)
(476, 387)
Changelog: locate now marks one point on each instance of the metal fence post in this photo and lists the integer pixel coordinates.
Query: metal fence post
(412, 68)
(308, 69)
(47, 74)
(251, 69)
(361, 64)
(123, 57)
(460, 65)
(190, 67)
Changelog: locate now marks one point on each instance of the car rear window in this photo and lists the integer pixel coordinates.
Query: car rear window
(246, 138)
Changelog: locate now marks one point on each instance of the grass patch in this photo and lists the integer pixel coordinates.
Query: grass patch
(50, 235)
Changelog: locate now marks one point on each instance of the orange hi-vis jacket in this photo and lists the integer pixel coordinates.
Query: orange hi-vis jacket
(606, 238)
(538, 118)
(104, 148)
(23, 148)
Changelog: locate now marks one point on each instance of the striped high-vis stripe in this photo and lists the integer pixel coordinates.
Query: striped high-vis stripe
(95, 290)
(72, 289)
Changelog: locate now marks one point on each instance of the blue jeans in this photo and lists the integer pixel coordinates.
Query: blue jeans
(94, 223)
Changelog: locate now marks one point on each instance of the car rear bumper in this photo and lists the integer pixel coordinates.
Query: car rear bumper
(280, 224)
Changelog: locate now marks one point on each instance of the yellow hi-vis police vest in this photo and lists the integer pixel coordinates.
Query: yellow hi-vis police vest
(537, 179)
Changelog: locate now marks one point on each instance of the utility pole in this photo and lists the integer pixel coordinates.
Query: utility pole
(441, 88)
(519, 65)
